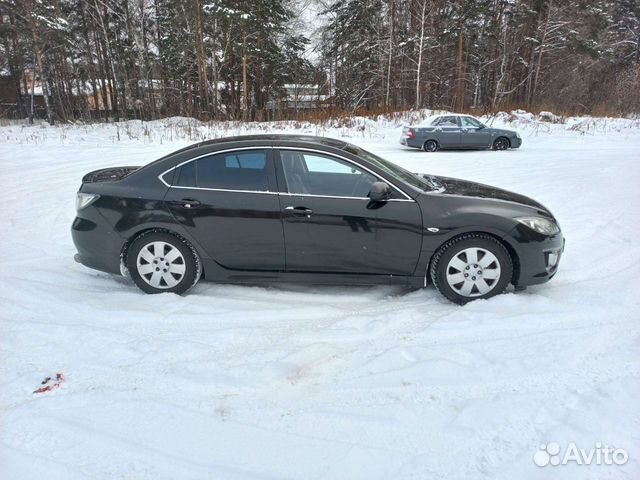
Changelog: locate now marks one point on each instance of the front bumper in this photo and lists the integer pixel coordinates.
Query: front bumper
(516, 142)
(538, 256)
(98, 245)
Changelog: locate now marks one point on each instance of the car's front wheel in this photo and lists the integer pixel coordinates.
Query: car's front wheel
(470, 267)
(161, 262)
(501, 143)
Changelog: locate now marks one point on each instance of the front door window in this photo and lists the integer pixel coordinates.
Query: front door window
(470, 122)
(310, 173)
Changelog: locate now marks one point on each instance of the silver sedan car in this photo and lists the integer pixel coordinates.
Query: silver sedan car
(458, 132)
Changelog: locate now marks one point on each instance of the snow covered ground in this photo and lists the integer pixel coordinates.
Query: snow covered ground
(296, 382)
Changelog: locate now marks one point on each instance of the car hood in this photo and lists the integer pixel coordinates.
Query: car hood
(464, 188)
(502, 131)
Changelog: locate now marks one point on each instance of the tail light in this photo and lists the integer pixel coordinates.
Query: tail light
(407, 133)
(83, 200)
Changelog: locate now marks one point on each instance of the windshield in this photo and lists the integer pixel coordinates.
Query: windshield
(425, 183)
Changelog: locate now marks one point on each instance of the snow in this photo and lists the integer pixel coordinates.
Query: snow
(322, 382)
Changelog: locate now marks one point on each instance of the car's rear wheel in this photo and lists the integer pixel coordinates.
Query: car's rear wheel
(501, 143)
(160, 262)
(470, 267)
(430, 146)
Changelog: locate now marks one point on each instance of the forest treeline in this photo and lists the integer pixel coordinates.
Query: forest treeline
(224, 59)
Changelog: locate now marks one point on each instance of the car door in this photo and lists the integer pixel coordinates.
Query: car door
(447, 130)
(474, 134)
(228, 202)
(331, 226)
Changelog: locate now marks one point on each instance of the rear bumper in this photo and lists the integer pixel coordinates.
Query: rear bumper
(98, 245)
(410, 142)
(538, 256)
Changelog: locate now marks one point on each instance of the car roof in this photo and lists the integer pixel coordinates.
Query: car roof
(453, 115)
(309, 139)
(429, 120)
(273, 140)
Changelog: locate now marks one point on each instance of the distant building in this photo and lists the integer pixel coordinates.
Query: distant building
(16, 101)
(9, 101)
(300, 97)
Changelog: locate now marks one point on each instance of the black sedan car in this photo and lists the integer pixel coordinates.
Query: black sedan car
(270, 208)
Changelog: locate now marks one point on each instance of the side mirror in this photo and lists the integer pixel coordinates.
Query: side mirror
(379, 192)
(482, 125)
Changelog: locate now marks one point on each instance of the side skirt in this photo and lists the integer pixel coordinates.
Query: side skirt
(213, 274)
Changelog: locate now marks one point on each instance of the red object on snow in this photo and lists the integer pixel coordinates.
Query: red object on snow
(49, 385)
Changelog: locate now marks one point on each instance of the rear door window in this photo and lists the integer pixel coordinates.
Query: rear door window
(448, 121)
(186, 175)
(253, 159)
(242, 170)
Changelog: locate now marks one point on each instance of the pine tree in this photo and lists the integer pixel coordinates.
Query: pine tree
(354, 35)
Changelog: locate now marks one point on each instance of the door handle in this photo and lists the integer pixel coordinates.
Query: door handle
(291, 210)
(187, 203)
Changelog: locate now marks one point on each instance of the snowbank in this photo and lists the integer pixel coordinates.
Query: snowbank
(185, 130)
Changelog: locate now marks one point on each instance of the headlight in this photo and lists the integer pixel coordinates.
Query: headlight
(83, 200)
(517, 135)
(540, 225)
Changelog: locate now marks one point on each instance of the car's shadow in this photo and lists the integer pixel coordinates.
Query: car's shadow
(447, 150)
(203, 286)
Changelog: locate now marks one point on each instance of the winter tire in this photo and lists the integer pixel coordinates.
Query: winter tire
(161, 262)
(470, 267)
(501, 143)
(430, 146)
